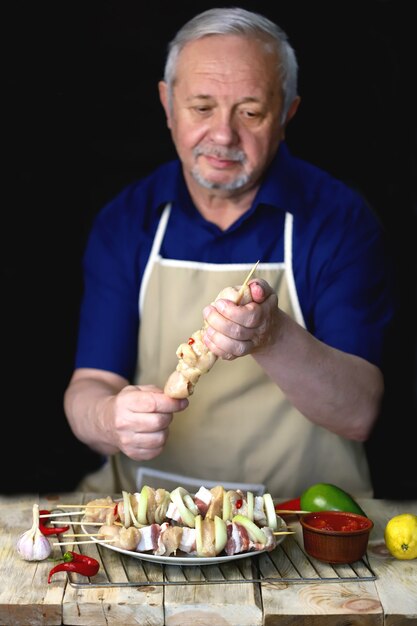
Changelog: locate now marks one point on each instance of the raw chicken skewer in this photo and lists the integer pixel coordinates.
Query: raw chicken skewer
(194, 357)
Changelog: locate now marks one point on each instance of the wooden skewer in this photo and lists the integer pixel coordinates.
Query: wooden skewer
(245, 282)
(90, 506)
(82, 535)
(86, 523)
(79, 522)
(76, 543)
(61, 514)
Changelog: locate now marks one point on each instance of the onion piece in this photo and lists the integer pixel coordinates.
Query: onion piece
(126, 508)
(227, 506)
(271, 515)
(220, 534)
(187, 517)
(250, 503)
(143, 506)
(255, 533)
(190, 504)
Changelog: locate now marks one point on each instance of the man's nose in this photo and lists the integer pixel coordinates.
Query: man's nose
(223, 129)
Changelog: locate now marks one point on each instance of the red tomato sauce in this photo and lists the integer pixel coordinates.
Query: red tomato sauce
(339, 523)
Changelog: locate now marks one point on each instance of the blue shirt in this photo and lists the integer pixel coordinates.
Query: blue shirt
(341, 268)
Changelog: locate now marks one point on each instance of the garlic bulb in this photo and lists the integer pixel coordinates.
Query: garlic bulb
(32, 545)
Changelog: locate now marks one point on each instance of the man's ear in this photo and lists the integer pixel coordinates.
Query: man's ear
(163, 96)
(293, 109)
(291, 112)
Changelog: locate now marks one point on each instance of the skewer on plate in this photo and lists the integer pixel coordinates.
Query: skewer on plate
(82, 535)
(76, 543)
(86, 523)
(63, 514)
(90, 506)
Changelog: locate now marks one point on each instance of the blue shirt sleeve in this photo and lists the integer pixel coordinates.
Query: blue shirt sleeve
(109, 316)
(348, 277)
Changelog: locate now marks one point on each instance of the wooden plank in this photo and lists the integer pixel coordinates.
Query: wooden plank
(129, 606)
(321, 604)
(397, 580)
(25, 596)
(317, 603)
(102, 606)
(237, 604)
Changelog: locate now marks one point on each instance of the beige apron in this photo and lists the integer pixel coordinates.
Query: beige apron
(239, 428)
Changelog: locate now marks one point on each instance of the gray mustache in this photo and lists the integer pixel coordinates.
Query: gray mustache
(220, 153)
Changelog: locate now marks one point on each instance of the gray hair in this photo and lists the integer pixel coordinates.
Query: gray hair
(236, 21)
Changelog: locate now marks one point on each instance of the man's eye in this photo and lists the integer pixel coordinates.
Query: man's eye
(202, 110)
(251, 114)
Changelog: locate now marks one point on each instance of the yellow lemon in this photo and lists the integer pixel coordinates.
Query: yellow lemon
(401, 536)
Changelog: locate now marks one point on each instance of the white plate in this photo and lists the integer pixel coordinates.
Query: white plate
(179, 560)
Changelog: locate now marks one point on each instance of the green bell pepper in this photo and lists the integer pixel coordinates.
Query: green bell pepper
(328, 497)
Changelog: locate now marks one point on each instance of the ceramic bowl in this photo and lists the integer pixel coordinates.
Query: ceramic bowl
(336, 536)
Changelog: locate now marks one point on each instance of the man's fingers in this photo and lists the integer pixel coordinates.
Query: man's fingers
(153, 400)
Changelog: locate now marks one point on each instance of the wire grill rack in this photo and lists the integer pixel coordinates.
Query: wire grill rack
(287, 563)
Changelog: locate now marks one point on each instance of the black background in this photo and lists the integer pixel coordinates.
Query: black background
(83, 119)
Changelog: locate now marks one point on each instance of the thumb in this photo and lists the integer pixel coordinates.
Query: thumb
(260, 290)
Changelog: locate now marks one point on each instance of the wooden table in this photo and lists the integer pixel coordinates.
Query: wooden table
(389, 598)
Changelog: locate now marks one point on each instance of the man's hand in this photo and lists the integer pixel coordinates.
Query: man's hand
(236, 330)
(141, 419)
(109, 415)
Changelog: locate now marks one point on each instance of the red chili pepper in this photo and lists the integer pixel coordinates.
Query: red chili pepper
(239, 504)
(76, 557)
(191, 341)
(78, 563)
(50, 530)
(289, 505)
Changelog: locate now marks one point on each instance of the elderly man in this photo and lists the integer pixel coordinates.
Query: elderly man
(297, 384)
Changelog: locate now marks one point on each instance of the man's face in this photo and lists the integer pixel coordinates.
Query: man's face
(225, 115)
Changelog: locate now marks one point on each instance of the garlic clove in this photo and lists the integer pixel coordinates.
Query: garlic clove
(32, 545)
